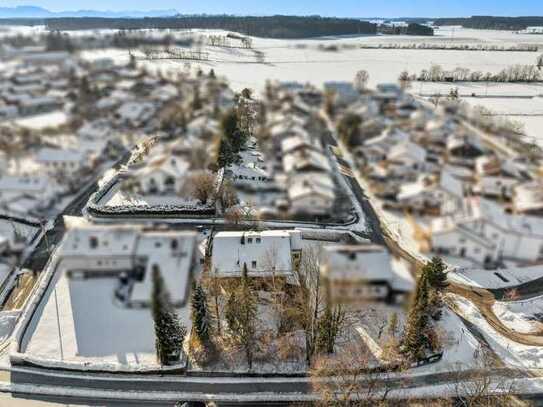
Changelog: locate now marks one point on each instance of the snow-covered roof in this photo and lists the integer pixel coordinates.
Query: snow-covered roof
(306, 184)
(407, 149)
(25, 183)
(48, 155)
(136, 111)
(171, 252)
(305, 160)
(166, 163)
(298, 141)
(96, 129)
(528, 196)
(450, 184)
(264, 253)
(411, 189)
(364, 263)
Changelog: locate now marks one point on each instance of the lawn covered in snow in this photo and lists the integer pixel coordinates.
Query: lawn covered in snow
(521, 316)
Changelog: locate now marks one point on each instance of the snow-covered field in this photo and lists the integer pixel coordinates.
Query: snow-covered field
(511, 353)
(521, 316)
(306, 61)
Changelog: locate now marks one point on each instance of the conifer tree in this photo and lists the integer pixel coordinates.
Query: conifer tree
(436, 273)
(415, 340)
(329, 326)
(201, 317)
(169, 333)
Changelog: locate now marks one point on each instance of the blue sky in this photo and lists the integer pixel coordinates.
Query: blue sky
(349, 8)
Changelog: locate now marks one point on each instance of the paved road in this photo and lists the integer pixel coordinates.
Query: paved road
(170, 387)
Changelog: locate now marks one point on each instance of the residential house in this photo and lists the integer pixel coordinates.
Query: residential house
(484, 233)
(267, 254)
(164, 174)
(364, 273)
(311, 193)
(61, 161)
(528, 198)
(130, 255)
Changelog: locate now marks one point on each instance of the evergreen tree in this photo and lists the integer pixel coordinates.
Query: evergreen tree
(329, 326)
(436, 273)
(226, 154)
(196, 99)
(349, 127)
(231, 130)
(415, 336)
(201, 317)
(169, 333)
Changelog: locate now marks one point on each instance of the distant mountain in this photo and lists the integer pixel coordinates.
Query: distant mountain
(39, 12)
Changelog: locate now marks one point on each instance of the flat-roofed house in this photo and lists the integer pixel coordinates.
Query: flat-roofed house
(130, 254)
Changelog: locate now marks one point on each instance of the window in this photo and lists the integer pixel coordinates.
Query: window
(249, 240)
(253, 264)
(93, 242)
(258, 240)
(174, 244)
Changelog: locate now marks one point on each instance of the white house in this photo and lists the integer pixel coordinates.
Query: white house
(407, 155)
(360, 274)
(164, 174)
(130, 254)
(441, 198)
(266, 254)
(307, 160)
(311, 193)
(135, 114)
(528, 197)
(496, 186)
(483, 232)
(54, 161)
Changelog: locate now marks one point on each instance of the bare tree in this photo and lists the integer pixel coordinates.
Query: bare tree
(361, 80)
(435, 99)
(480, 387)
(350, 378)
(405, 80)
(202, 186)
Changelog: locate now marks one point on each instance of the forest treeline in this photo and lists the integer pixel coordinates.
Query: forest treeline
(492, 23)
(270, 27)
